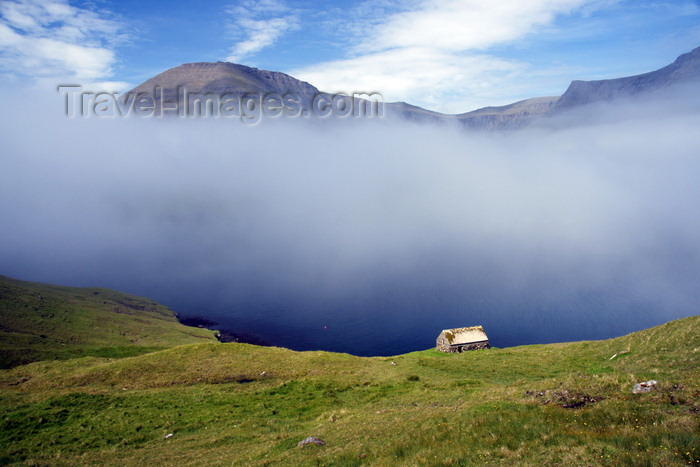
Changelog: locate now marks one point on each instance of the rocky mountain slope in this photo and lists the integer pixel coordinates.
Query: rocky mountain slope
(223, 78)
(686, 69)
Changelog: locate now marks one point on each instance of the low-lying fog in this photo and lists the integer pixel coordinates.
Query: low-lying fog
(364, 237)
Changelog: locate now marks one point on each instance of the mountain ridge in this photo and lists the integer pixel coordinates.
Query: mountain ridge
(684, 69)
(229, 78)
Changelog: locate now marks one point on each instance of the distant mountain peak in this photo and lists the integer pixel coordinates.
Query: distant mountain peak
(222, 78)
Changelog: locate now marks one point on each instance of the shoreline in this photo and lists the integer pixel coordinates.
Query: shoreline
(223, 335)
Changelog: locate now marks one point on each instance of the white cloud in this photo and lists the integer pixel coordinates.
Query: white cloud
(261, 23)
(466, 25)
(55, 39)
(423, 75)
(436, 51)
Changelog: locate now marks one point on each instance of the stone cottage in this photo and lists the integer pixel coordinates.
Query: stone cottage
(461, 339)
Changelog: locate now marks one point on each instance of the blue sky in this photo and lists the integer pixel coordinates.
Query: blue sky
(451, 56)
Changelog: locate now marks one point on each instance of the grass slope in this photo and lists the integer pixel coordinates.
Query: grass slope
(238, 404)
(42, 322)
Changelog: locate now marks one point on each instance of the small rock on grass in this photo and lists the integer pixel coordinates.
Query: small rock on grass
(311, 440)
(646, 386)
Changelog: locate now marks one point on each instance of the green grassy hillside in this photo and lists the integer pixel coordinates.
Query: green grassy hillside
(42, 322)
(238, 404)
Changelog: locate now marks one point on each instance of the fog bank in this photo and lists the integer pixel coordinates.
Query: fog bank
(359, 236)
